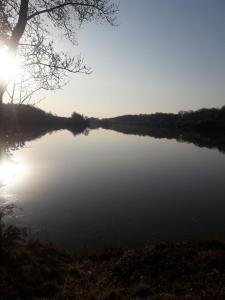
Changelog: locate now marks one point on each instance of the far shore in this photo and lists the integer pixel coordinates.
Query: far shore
(203, 120)
(203, 128)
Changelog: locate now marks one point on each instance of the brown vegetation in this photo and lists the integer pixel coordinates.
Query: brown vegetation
(163, 271)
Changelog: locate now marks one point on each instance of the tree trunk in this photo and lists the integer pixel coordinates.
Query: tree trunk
(18, 30)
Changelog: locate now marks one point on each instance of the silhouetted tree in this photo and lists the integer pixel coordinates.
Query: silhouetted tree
(76, 117)
(26, 30)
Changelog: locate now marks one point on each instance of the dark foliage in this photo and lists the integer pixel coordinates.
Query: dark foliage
(204, 128)
(77, 118)
(27, 117)
(203, 119)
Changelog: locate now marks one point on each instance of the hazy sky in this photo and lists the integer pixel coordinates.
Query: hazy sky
(166, 55)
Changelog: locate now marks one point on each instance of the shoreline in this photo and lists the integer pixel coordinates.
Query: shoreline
(31, 269)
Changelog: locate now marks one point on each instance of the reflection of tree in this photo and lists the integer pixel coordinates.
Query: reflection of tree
(11, 140)
(208, 139)
(78, 131)
(8, 167)
(14, 140)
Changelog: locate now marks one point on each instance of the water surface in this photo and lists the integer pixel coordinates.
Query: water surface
(87, 191)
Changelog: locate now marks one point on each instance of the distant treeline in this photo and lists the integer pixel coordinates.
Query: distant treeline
(204, 128)
(203, 119)
(26, 115)
(17, 116)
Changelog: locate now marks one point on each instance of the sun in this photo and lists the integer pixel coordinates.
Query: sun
(8, 64)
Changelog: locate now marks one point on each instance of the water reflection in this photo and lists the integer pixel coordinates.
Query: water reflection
(208, 139)
(9, 169)
(113, 188)
(11, 141)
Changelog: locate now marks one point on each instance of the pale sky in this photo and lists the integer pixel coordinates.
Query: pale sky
(165, 55)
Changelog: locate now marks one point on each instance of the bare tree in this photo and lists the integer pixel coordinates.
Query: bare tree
(27, 30)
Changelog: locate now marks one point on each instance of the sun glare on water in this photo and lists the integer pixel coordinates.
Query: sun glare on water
(8, 171)
(8, 64)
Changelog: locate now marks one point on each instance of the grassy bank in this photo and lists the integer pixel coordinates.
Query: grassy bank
(167, 271)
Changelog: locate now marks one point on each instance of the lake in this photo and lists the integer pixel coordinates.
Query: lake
(86, 192)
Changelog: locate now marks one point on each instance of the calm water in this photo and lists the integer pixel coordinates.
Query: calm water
(84, 192)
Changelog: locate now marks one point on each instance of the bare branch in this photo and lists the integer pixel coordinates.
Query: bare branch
(26, 30)
(102, 7)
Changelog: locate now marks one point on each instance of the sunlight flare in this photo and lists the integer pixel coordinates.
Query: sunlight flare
(8, 64)
(8, 171)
